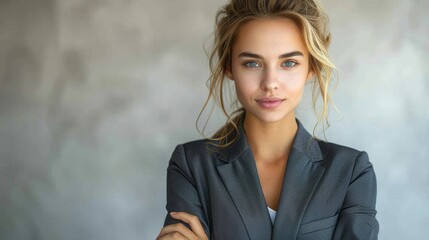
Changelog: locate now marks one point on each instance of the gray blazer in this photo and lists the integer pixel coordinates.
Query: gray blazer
(329, 191)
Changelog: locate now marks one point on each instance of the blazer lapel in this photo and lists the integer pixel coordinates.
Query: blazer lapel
(240, 176)
(301, 179)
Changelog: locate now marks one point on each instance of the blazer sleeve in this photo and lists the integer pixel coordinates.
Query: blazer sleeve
(182, 194)
(357, 217)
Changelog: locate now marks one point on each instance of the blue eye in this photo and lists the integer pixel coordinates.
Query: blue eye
(289, 64)
(251, 64)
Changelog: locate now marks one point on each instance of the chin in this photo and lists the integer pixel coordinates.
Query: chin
(271, 117)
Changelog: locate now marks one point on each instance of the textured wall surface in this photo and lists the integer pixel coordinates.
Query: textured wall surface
(95, 94)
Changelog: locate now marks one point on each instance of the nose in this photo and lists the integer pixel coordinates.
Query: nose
(270, 79)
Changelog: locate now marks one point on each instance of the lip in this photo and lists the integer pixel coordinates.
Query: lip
(269, 102)
(269, 99)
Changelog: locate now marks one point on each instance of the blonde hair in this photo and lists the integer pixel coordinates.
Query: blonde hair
(311, 20)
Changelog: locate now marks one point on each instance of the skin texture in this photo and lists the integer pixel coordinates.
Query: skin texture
(255, 78)
(269, 59)
(280, 69)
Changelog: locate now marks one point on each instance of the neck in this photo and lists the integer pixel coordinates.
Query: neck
(270, 142)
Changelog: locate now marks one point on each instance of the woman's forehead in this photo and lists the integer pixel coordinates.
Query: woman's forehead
(269, 36)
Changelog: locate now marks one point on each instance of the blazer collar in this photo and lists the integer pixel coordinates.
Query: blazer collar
(303, 143)
(240, 176)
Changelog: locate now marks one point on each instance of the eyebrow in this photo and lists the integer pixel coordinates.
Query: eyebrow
(284, 55)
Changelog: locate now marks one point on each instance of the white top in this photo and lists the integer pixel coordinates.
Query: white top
(272, 214)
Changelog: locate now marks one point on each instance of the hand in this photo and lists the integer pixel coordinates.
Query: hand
(179, 231)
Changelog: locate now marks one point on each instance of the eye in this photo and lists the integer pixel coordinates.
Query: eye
(289, 64)
(251, 64)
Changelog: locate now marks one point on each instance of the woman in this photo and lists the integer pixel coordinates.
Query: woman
(262, 175)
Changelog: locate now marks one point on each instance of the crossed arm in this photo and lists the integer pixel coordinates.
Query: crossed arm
(356, 219)
(179, 231)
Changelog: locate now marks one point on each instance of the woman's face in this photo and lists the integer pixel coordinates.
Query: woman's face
(270, 65)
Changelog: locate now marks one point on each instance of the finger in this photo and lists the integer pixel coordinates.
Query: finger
(193, 221)
(177, 228)
(172, 236)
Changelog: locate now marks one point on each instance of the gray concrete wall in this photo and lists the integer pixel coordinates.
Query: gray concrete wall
(95, 94)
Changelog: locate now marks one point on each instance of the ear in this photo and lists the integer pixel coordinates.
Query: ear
(310, 75)
(228, 73)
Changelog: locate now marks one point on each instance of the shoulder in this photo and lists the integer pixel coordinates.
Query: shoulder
(343, 157)
(330, 149)
(195, 154)
(198, 148)
(330, 155)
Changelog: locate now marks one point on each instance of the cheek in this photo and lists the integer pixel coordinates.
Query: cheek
(294, 80)
(244, 75)
(247, 81)
(243, 90)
